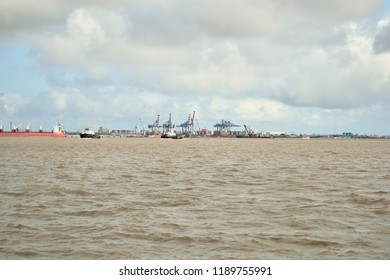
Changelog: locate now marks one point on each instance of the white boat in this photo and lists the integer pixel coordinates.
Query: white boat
(169, 132)
(89, 133)
(305, 137)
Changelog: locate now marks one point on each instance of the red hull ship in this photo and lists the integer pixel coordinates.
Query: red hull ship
(56, 132)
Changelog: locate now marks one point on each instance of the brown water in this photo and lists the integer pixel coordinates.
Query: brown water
(194, 199)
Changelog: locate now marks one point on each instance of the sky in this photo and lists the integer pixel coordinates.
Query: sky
(297, 66)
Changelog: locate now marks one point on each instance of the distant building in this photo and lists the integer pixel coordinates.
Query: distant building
(121, 131)
(205, 132)
(276, 133)
(103, 130)
(347, 135)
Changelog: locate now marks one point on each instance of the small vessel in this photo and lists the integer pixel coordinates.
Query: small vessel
(89, 133)
(57, 131)
(169, 132)
(305, 137)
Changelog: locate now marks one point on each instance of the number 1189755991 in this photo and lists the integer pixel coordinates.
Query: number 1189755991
(242, 270)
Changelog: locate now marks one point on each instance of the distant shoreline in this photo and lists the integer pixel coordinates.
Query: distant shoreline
(284, 136)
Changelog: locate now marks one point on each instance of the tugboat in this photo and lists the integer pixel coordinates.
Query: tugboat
(89, 133)
(169, 132)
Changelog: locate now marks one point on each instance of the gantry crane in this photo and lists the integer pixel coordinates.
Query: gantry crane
(188, 126)
(225, 125)
(155, 127)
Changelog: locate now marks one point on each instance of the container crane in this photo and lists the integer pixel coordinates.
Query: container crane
(188, 126)
(168, 125)
(156, 125)
(192, 121)
(225, 125)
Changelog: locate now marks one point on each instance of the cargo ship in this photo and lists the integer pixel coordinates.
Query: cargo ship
(15, 132)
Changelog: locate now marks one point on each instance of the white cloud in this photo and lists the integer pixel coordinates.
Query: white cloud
(10, 102)
(382, 40)
(336, 11)
(74, 44)
(270, 60)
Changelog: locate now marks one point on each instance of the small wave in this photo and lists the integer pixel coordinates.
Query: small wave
(16, 194)
(79, 192)
(128, 176)
(57, 192)
(365, 200)
(386, 177)
(171, 225)
(299, 240)
(175, 202)
(381, 192)
(384, 212)
(21, 227)
(87, 213)
(189, 239)
(170, 237)
(157, 172)
(331, 152)
(318, 243)
(303, 225)
(361, 243)
(27, 253)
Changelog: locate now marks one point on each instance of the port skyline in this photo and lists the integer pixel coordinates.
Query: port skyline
(138, 128)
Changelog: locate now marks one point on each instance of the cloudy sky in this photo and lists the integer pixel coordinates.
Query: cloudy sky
(276, 65)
